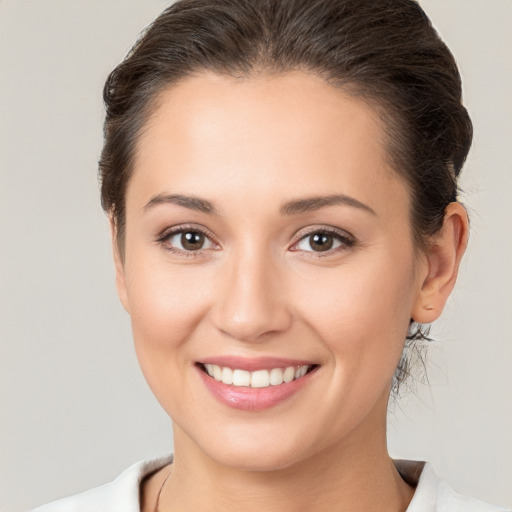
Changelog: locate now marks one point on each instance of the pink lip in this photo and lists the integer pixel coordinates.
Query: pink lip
(253, 399)
(254, 363)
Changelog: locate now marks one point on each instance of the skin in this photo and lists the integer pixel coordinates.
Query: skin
(260, 289)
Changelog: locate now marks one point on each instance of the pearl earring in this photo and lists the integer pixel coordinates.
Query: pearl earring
(428, 307)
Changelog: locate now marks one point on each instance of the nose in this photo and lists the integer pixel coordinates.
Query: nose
(251, 301)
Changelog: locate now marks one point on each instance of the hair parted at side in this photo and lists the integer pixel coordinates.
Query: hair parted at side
(384, 51)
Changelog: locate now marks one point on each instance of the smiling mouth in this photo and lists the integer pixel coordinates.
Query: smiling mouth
(256, 379)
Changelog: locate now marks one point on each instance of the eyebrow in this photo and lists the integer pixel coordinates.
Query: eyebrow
(190, 202)
(294, 207)
(310, 204)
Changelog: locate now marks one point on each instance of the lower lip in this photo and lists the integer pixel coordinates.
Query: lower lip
(253, 399)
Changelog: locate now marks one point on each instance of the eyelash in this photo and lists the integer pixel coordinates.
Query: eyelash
(169, 233)
(346, 240)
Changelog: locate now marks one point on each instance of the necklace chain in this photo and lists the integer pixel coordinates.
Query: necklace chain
(160, 491)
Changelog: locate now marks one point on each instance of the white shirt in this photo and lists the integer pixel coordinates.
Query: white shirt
(122, 494)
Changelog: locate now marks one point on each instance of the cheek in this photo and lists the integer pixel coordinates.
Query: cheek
(161, 309)
(166, 305)
(361, 312)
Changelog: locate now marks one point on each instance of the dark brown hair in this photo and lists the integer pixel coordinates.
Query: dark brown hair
(385, 51)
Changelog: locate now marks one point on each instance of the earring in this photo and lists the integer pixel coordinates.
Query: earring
(428, 307)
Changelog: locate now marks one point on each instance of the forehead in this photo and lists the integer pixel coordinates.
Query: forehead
(280, 135)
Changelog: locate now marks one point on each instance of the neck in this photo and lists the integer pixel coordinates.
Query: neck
(356, 474)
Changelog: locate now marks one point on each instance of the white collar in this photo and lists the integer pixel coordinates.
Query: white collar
(122, 495)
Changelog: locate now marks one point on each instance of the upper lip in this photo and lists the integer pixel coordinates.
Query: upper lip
(254, 363)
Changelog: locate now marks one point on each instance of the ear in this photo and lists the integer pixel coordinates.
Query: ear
(443, 259)
(119, 267)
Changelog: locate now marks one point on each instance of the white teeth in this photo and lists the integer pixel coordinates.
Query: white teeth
(227, 375)
(258, 378)
(217, 372)
(289, 374)
(276, 376)
(241, 378)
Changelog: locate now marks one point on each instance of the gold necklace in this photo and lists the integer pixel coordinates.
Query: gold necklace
(160, 491)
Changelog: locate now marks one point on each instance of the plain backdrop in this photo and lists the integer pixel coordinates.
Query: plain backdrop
(75, 410)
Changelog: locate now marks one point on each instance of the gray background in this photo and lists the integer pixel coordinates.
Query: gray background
(75, 410)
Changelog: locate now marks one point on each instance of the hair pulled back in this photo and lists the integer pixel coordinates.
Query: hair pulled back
(384, 51)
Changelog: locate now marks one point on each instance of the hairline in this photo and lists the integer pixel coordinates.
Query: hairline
(383, 110)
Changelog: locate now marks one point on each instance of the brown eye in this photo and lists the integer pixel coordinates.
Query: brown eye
(186, 241)
(324, 241)
(192, 240)
(321, 242)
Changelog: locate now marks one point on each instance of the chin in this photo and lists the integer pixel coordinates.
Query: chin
(256, 449)
(255, 459)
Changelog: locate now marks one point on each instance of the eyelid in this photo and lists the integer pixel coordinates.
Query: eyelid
(347, 239)
(168, 232)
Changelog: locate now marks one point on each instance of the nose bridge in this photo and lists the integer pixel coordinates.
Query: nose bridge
(253, 301)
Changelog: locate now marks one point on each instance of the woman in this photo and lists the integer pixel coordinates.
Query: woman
(281, 181)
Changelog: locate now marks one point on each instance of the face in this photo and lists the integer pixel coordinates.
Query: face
(267, 237)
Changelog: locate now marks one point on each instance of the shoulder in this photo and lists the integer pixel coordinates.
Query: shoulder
(435, 495)
(120, 495)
